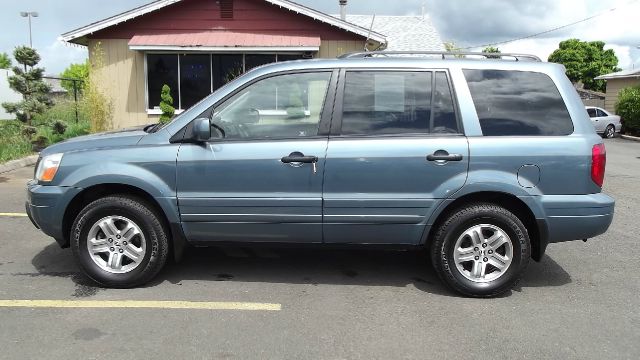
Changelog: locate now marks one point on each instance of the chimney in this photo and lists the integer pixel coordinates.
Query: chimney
(343, 9)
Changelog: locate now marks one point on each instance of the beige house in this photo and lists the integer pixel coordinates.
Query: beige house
(616, 82)
(195, 46)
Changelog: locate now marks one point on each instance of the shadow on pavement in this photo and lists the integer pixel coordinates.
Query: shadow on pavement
(57, 262)
(296, 266)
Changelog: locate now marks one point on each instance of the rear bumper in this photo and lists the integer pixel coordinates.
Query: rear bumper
(45, 207)
(577, 217)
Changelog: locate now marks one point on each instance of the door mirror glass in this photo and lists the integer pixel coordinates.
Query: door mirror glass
(201, 130)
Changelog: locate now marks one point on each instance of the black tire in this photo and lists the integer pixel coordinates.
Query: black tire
(150, 224)
(442, 249)
(609, 132)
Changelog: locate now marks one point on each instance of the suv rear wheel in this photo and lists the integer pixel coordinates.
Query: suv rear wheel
(119, 241)
(481, 250)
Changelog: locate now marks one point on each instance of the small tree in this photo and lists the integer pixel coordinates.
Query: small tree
(491, 50)
(628, 107)
(75, 71)
(5, 61)
(28, 82)
(98, 107)
(166, 104)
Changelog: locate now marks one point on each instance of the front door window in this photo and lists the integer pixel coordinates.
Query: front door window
(279, 107)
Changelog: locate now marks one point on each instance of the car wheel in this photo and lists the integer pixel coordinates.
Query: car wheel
(481, 250)
(610, 132)
(119, 241)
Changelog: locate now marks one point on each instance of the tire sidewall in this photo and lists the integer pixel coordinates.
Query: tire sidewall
(100, 209)
(519, 240)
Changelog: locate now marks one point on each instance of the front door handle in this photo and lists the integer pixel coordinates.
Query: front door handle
(442, 155)
(298, 157)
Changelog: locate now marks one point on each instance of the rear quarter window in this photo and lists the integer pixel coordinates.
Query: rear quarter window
(511, 103)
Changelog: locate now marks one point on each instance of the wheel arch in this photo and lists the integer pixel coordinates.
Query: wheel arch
(535, 228)
(92, 193)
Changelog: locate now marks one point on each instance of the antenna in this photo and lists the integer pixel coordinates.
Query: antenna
(369, 34)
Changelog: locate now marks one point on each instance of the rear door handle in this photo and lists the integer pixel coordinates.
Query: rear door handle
(442, 155)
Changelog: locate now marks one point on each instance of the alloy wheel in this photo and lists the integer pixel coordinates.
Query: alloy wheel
(483, 253)
(116, 244)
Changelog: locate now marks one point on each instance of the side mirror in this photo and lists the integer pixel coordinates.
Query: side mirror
(201, 130)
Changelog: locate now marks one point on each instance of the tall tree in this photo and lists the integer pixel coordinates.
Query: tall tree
(491, 50)
(585, 60)
(75, 71)
(5, 61)
(27, 80)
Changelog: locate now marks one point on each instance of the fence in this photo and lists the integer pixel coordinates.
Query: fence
(76, 88)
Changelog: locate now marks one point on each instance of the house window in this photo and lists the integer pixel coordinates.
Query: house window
(161, 70)
(255, 60)
(195, 78)
(192, 77)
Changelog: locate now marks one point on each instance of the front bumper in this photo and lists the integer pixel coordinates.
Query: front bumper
(577, 217)
(46, 206)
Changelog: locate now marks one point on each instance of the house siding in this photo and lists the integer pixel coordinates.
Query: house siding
(256, 16)
(613, 89)
(122, 81)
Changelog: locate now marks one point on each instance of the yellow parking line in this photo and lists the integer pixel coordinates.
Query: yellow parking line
(199, 305)
(13, 214)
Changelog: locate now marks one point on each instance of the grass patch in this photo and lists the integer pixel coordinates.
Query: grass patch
(55, 125)
(13, 145)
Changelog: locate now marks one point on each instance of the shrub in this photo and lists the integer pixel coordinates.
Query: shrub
(166, 104)
(95, 103)
(628, 107)
(13, 144)
(63, 110)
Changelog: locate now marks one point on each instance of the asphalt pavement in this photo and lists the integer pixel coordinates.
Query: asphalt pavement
(581, 302)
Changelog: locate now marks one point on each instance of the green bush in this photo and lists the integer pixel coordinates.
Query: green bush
(64, 110)
(56, 124)
(628, 107)
(13, 144)
(166, 105)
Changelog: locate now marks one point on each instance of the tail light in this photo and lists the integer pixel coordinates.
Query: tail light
(598, 162)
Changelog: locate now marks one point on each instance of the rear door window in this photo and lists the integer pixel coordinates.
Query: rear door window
(592, 113)
(397, 102)
(518, 103)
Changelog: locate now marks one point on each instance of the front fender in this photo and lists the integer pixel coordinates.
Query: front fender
(153, 171)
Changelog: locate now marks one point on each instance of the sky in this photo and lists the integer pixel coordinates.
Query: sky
(466, 23)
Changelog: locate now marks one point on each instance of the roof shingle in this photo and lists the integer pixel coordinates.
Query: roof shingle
(403, 33)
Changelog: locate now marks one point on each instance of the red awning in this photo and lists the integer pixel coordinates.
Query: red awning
(223, 39)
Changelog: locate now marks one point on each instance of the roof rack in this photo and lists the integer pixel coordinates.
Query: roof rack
(443, 54)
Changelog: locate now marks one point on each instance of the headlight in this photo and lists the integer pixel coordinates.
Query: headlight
(48, 167)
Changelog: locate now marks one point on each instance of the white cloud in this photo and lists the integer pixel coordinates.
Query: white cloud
(58, 55)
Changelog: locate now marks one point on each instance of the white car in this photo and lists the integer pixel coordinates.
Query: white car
(606, 123)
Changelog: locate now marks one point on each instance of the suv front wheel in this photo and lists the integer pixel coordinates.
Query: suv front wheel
(481, 250)
(119, 241)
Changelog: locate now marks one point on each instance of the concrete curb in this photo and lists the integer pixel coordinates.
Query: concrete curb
(19, 163)
(629, 137)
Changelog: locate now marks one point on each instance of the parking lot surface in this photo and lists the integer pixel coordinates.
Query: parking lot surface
(580, 302)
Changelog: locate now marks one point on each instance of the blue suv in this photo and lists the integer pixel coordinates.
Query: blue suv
(484, 162)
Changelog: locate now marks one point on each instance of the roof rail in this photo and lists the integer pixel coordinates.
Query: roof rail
(443, 54)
